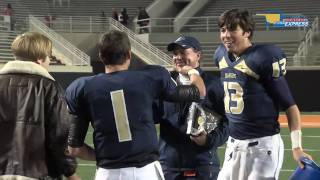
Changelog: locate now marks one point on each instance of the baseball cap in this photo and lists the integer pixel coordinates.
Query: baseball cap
(185, 42)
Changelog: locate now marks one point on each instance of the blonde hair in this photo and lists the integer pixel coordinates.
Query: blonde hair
(31, 46)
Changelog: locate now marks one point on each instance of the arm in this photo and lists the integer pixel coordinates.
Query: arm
(279, 89)
(293, 115)
(80, 121)
(215, 138)
(219, 136)
(273, 72)
(294, 123)
(73, 177)
(84, 152)
(198, 82)
(77, 133)
(180, 93)
(214, 102)
(184, 93)
(195, 78)
(58, 161)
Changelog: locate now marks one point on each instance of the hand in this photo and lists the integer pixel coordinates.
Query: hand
(200, 139)
(74, 177)
(297, 153)
(84, 152)
(183, 70)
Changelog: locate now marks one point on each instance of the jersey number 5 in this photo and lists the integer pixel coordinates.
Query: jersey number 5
(233, 101)
(120, 115)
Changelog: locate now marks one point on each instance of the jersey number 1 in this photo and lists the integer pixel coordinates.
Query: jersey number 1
(233, 92)
(120, 115)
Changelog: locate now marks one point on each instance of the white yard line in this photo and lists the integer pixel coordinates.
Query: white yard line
(308, 150)
(86, 164)
(303, 136)
(287, 170)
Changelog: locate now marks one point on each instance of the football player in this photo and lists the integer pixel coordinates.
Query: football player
(118, 104)
(255, 89)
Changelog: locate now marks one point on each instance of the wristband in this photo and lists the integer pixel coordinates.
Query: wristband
(296, 139)
(193, 71)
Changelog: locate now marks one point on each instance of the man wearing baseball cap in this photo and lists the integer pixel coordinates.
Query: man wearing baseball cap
(185, 156)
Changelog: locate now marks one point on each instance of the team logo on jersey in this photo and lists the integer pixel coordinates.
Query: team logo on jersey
(223, 63)
(242, 66)
(230, 75)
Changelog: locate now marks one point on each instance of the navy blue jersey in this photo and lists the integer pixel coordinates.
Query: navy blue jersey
(251, 109)
(119, 106)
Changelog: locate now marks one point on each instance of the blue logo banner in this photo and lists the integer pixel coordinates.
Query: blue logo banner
(280, 20)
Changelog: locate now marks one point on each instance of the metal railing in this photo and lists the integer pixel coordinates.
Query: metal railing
(146, 51)
(92, 24)
(73, 55)
(204, 24)
(304, 46)
(195, 24)
(97, 24)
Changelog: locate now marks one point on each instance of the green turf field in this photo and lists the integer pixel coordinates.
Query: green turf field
(311, 138)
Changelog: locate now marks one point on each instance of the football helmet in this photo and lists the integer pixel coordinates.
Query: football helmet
(311, 171)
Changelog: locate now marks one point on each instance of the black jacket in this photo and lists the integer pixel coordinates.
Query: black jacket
(34, 123)
(177, 151)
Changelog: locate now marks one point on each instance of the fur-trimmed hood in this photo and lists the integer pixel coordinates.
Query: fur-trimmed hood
(27, 67)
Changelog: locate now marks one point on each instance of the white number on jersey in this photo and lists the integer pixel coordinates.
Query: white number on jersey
(120, 115)
(233, 93)
(279, 67)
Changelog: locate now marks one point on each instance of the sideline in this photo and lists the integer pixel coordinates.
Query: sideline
(308, 121)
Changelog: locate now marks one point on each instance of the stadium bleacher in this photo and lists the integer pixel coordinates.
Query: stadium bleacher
(94, 8)
(81, 8)
(308, 8)
(6, 38)
(22, 9)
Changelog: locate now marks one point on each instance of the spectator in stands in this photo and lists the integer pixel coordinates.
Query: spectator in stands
(124, 17)
(103, 15)
(103, 21)
(34, 120)
(55, 61)
(49, 20)
(143, 20)
(115, 14)
(183, 156)
(8, 11)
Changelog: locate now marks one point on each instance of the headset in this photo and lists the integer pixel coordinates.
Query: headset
(311, 171)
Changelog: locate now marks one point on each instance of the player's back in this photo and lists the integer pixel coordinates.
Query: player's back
(250, 108)
(120, 107)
